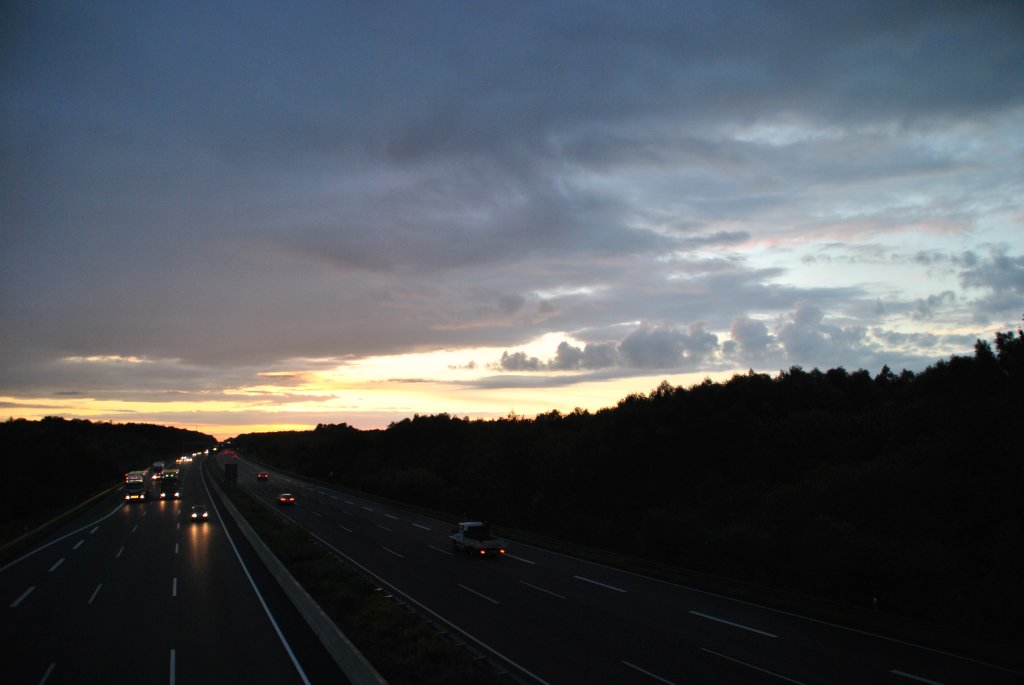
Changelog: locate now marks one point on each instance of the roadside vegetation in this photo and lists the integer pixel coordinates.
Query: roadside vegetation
(399, 643)
(54, 464)
(896, 492)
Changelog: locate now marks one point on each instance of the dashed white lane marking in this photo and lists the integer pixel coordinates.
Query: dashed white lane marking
(525, 561)
(756, 668)
(479, 594)
(649, 674)
(915, 677)
(94, 593)
(46, 675)
(734, 625)
(24, 594)
(59, 562)
(600, 584)
(386, 549)
(537, 587)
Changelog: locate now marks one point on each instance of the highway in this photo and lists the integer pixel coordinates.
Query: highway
(137, 593)
(559, 620)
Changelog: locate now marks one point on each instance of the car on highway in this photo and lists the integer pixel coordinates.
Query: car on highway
(199, 513)
(262, 475)
(286, 498)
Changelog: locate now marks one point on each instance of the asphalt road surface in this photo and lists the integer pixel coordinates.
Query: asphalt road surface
(137, 593)
(559, 620)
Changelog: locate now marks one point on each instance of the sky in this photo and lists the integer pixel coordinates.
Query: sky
(248, 216)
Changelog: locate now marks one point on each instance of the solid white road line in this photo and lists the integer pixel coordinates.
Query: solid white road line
(59, 562)
(46, 675)
(94, 593)
(648, 673)
(589, 580)
(535, 587)
(756, 668)
(734, 625)
(916, 677)
(482, 596)
(24, 594)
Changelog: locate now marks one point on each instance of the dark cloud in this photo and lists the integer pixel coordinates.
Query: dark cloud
(215, 191)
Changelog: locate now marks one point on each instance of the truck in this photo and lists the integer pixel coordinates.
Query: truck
(170, 484)
(136, 486)
(158, 467)
(475, 538)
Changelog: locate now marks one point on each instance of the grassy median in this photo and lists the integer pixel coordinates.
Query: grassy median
(402, 646)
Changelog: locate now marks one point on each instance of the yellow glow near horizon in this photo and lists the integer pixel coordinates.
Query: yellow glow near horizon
(366, 393)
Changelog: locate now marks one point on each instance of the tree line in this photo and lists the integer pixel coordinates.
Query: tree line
(55, 463)
(906, 487)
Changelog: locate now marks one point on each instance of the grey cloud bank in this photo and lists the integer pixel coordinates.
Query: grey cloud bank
(222, 190)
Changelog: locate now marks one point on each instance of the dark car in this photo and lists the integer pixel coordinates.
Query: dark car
(199, 513)
(286, 498)
(262, 475)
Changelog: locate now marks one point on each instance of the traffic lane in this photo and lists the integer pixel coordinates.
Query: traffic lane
(220, 625)
(568, 642)
(465, 592)
(818, 647)
(209, 560)
(52, 627)
(805, 646)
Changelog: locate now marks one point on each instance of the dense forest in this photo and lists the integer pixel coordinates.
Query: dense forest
(904, 487)
(53, 464)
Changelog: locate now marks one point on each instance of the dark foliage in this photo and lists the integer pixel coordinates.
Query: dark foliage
(904, 487)
(55, 463)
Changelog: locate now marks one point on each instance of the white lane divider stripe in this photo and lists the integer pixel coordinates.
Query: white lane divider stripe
(594, 582)
(478, 594)
(648, 673)
(734, 625)
(24, 594)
